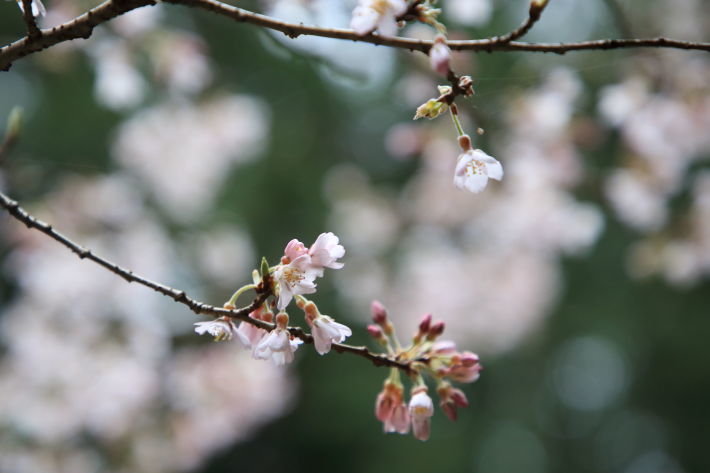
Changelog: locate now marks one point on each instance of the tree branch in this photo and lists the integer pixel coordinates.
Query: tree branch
(200, 308)
(83, 25)
(534, 13)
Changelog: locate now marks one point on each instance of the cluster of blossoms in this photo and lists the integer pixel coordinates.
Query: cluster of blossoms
(295, 276)
(441, 360)
(268, 337)
(474, 167)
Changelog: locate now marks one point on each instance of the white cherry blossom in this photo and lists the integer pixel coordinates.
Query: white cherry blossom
(379, 15)
(473, 170)
(421, 408)
(221, 329)
(297, 277)
(277, 346)
(325, 331)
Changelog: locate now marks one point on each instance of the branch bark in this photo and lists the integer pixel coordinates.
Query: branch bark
(179, 296)
(83, 25)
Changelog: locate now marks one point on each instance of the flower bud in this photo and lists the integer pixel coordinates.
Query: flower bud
(379, 312)
(440, 56)
(375, 332)
(282, 320)
(425, 323)
(435, 330)
(465, 143)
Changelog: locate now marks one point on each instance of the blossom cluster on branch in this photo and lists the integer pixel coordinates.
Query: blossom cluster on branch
(424, 356)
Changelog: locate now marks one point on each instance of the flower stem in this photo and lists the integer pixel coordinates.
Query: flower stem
(240, 291)
(455, 118)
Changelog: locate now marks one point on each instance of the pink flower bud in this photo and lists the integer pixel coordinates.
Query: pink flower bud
(294, 249)
(375, 332)
(440, 56)
(379, 313)
(425, 323)
(436, 329)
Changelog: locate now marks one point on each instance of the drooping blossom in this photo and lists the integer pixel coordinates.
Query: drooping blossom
(324, 329)
(296, 277)
(37, 8)
(250, 332)
(221, 329)
(379, 15)
(440, 56)
(421, 408)
(465, 368)
(278, 345)
(474, 168)
(450, 399)
(391, 410)
(325, 252)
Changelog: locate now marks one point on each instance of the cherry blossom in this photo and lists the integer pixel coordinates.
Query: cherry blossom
(221, 329)
(450, 399)
(278, 345)
(391, 410)
(325, 331)
(473, 170)
(421, 408)
(325, 252)
(380, 15)
(294, 278)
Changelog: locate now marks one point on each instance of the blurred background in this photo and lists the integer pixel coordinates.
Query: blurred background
(184, 146)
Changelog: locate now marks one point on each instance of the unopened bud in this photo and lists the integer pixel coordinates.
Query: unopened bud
(436, 329)
(264, 268)
(375, 332)
(465, 143)
(311, 310)
(282, 320)
(440, 56)
(379, 312)
(425, 323)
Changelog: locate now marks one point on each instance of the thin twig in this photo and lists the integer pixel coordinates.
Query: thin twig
(200, 308)
(32, 30)
(533, 15)
(83, 25)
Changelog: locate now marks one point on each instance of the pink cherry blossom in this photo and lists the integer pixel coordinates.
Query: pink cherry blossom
(391, 410)
(294, 249)
(325, 252)
(440, 56)
(450, 399)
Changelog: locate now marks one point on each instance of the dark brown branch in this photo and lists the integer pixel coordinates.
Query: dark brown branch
(200, 308)
(534, 13)
(32, 29)
(82, 27)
